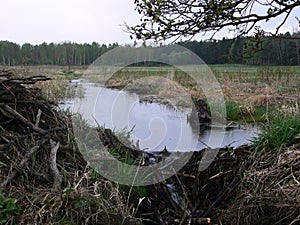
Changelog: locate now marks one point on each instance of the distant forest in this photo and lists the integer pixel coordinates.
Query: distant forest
(282, 50)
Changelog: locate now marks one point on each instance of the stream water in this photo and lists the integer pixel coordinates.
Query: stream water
(153, 125)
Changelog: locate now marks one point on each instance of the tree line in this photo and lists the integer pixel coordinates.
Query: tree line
(256, 50)
(63, 54)
(283, 49)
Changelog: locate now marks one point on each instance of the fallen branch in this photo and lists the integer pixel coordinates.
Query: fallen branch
(26, 80)
(24, 120)
(57, 177)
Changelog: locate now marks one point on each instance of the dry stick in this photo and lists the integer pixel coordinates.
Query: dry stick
(29, 135)
(24, 120)
(57, 177)
(26, 80)
(22, 164)
(31, 125)
(38, 118)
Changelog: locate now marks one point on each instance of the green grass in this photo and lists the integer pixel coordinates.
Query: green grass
(259, 115)
(280, 131)
(8, 208)
(234, 112)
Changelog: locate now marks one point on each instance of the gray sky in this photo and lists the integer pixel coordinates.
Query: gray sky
(36, 21)
(81, 21)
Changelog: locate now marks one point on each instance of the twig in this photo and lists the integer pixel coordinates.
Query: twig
(188, 202)
(24, 120)
(22, 164)
(38, 118)
(57, 177)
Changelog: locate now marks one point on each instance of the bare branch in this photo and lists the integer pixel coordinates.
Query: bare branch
(57, 177)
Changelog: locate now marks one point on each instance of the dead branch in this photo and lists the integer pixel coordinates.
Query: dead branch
(26, 80)
(57, 177)
(38, 118)
(24, 120)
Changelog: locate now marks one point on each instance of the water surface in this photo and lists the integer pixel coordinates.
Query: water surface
(153, 125)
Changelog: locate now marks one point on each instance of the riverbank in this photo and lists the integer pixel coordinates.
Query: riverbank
(45, 179)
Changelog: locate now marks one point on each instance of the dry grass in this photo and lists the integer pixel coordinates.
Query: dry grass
(269, 192)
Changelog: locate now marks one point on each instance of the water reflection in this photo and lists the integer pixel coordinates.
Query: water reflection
(154, 125)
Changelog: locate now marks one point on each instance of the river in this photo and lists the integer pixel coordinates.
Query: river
(153, 125)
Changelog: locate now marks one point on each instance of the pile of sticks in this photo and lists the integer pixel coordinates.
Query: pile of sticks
(28, 124)
(196, 197)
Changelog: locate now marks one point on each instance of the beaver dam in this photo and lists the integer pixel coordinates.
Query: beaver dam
(45, 179)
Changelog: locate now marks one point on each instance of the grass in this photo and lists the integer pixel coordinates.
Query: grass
(232, 110)
(8, 208)
(277, 133)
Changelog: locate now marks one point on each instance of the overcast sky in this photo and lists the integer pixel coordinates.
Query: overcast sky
(82, 21)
